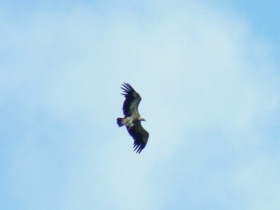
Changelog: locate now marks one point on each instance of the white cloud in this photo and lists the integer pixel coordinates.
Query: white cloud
(200, 72)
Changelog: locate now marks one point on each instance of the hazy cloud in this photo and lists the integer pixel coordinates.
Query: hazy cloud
(210, 98)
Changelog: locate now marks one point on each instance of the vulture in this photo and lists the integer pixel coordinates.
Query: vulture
(132, 118)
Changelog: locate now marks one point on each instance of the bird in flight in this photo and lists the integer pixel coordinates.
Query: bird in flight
(132, 118)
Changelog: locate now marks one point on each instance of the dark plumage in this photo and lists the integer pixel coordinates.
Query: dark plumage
(132, 100)
(132, 119)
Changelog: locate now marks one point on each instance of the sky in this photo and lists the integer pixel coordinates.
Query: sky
(207, 72)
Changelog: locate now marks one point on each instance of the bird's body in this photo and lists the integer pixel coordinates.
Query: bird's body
(132, 119)
(129, 121)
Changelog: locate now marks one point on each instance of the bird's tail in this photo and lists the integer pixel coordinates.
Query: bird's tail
(119, 122)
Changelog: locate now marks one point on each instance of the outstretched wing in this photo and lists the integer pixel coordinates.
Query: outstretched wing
(132, 100)
(140, 136)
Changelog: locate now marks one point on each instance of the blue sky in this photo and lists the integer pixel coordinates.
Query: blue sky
(208, 73)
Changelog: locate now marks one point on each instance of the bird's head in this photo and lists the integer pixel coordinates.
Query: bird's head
(142, 119)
